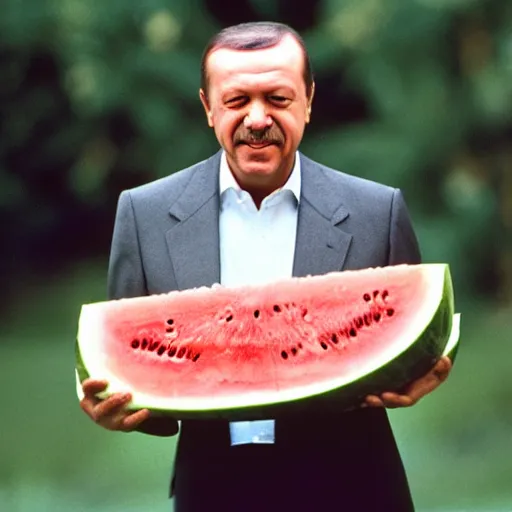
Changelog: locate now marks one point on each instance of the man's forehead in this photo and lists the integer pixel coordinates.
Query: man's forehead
(284, 58)
(272, 79)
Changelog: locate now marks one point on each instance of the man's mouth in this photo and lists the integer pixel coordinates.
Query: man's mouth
(258, 145)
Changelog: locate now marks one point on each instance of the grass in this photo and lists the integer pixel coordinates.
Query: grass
(456, 443)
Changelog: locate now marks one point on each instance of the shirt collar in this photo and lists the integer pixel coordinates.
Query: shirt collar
(227, 181)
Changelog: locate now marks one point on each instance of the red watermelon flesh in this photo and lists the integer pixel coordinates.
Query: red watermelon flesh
(212, 350)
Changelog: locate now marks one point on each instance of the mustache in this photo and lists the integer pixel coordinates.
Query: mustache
(271, 135)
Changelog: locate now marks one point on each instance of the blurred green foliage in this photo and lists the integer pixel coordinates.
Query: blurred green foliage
(96, 97)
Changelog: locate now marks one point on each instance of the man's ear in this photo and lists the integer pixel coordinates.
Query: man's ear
(206, 106)
(310, 103)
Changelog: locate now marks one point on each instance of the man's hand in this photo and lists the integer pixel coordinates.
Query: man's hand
(111, 412)
(414, 391)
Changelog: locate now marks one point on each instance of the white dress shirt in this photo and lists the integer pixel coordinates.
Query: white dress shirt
(256, 247)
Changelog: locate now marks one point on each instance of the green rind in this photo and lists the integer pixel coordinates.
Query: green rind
(413, 363)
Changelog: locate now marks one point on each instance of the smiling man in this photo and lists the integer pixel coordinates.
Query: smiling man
(257, 211)
(258, 104)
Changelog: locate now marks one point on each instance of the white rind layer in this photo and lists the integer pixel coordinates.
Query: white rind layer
(453, 340)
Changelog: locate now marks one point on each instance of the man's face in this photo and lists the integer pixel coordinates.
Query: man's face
(258, 108)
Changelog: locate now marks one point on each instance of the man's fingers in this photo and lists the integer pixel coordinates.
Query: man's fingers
(442, 368)
(91, 386)
(110, 406)
(132, 421)
(424, 387)
(416, 390)
(374, 401)
(110, 412)
(395, 400)
(87, 405)
(389, 400)
(429, 383)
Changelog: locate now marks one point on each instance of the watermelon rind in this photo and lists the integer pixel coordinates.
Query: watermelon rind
(408, 360)
(452, 346)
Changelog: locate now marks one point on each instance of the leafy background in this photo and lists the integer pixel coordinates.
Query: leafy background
(97, 97)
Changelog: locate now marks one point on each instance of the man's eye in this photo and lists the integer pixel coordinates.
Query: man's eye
(280, 100)
(237, 101)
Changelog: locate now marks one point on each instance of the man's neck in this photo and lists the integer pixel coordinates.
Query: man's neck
(260, 188)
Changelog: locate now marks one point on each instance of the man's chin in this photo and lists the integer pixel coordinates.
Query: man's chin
(256, 162)
(257, 168)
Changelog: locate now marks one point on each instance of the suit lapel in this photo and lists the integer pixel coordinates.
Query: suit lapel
(321, 245)
(193, 241)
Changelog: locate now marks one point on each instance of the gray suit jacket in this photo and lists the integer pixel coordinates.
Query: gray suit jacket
(166, 234)
(166, 237)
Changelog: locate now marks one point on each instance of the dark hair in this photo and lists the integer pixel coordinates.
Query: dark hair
(255, 36)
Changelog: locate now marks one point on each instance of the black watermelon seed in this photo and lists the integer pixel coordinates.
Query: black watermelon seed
(353, 332)
(154, 346)
(257, 313)
(196, 357)
(172, 352)
(367, 297)
(375, 293)
(161, 350)
(181, 352)
(135, 344)
(277, 309)
(229, 318)
(170, 329)
(144, 344)
(170, 321)
(324, 345)
(299, 345)
(376, 317)
(334, 338)
(390, 312)
(385, 294)
(284, 354)
(293, 351)
(367, 320)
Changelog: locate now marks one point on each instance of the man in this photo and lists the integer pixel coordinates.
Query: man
(256, 211)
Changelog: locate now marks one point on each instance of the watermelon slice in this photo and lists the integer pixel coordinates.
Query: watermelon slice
(257, 351)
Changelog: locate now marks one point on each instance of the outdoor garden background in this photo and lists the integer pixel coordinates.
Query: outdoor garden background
(96, 97)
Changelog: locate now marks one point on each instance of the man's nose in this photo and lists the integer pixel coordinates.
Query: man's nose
(257, 117)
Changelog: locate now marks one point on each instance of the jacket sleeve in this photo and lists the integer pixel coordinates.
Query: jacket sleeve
(126, 279)
(403, 244)
(125, 271)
